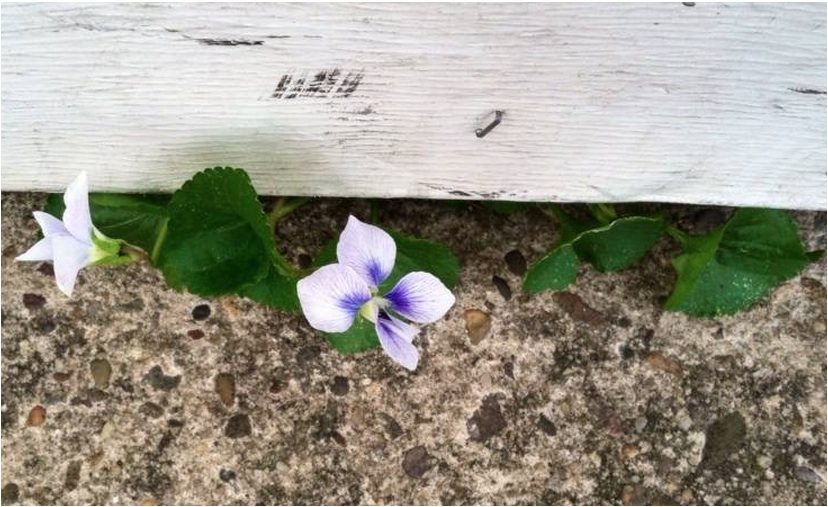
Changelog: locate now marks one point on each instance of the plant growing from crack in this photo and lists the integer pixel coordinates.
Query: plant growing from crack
(212, 237)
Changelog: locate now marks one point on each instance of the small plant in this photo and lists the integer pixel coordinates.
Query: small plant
(371, 286)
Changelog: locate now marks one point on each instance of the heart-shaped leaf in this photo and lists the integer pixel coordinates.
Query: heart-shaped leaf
(734, 266)
(218, 239)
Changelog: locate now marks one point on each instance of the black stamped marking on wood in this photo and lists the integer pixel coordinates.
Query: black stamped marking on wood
(808, 91)
(332, 83)
(229, 42)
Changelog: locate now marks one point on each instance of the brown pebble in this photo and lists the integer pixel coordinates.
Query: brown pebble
(101, 372)
(516, 262)
(36, 416)
(46, 269)
(478, 324)
(195, 334)
(339, 439)
(33, 301)
(658, 361)
(502, 287)
(62, 376)
(628, 495)
(276, 387)
(629, 450)
(577, 309)
(226, 388)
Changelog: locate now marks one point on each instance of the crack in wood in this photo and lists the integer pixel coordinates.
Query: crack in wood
(229, 42)
(808, 91)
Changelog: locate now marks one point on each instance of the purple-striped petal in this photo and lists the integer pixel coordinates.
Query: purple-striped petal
(76, 218)
(70, 255)
(331, 297)
(368, 250)
(420, 297)
(396, 336)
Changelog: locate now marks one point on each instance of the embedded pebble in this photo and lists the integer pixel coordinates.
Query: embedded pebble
(225, 387)
(807, 475)
(151, 410)
(547, 426)
(10, 493)
(516, 262)
(46, 269)
(340, 386)
(724, 437)
(659, 361)
(36, 416)
(227, 475)
(502, 287)
(101, 372)
(487, 421)
(33, 301)
(201, 312)
(629, 450)
(392, 427)
(72, 478)
(478, 325)
(108, 430)
(416, 462)
(577, 309)
(238, 426)
(156, 378)
(195, 334)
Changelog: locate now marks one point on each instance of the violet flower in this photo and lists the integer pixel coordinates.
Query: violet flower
(74, 242)
(333, 295)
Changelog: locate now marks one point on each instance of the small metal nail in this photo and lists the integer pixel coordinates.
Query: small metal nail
(482, 132)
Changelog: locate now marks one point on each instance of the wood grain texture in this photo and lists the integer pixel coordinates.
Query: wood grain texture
(715, 103)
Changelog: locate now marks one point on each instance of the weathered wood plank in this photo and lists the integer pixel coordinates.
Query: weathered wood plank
(714, 103)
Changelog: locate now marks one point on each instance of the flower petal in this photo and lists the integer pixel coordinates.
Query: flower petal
(41, 251)
(50, 225)
(70, 255)
(331, 297)
(420, 297)
(367, 249)
(76, 218)
(396, 336)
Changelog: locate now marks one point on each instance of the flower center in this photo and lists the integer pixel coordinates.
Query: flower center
(370, 310)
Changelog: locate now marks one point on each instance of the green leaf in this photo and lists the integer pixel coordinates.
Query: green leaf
(619, 244)
(554, 271)
(138, 219)
(218, 240)
(361, 337)
(608, 248)
(414, 254)
(274, 290)
(734, 266)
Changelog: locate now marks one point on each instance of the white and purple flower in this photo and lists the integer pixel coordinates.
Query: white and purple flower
(334, 295)
(73, 243)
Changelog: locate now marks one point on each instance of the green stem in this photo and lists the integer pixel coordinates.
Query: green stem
(159, 242)
(284, 207)
(677, 234)
(604, 213)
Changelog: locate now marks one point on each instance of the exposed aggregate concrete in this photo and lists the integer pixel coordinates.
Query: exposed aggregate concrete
(595, 395)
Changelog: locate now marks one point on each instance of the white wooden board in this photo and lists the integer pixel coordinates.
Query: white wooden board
(716, 103)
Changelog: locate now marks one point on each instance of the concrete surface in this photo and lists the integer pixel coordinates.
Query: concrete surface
(595, 396)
